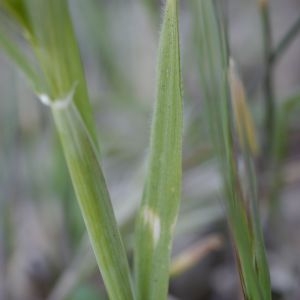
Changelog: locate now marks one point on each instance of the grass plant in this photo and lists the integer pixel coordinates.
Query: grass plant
(158, 213)
(51, 63)
(240, 202)
(59, 82)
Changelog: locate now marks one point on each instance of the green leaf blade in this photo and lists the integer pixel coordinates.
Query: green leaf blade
(240, 204)
(162, 191)
(94, 201)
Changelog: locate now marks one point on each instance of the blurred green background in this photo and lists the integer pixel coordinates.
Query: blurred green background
(44, 252)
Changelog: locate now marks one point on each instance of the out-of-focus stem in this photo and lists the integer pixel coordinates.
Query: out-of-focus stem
(268, 79)
(271, 57)
(285, 42)
(273, 116)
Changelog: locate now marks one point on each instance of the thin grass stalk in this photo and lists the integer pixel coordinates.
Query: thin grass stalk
(249, 149)
(162, 192)
(268, 89)
(285, 42)
(280, 145)
(240, 204)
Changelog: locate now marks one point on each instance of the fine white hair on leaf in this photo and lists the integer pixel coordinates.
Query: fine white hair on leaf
(59, 103)
(152, 220)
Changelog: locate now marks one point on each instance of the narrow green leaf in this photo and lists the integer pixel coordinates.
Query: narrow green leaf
(241, 205)
(94, 201)
(246, 135)
(158, 213)
(18, 9)
(12, 50)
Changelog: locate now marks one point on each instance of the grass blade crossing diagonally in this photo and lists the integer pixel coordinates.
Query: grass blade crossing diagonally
(162, 191)
(94, 201)
(241, 202)
(48, 29)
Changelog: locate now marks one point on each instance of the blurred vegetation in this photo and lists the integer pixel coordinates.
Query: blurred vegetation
(44, 250)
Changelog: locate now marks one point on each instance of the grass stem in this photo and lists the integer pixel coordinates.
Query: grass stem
(268, 87)
(286, 41)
